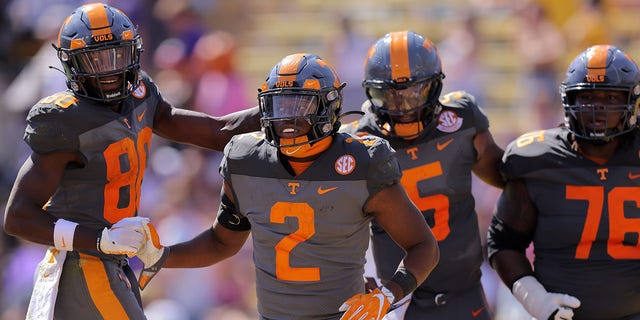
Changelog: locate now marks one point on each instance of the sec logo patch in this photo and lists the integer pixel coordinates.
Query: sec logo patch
(140, 92)
(448, 121)
(345, 164)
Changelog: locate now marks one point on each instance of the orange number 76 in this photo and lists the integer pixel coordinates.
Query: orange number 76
(619, 225)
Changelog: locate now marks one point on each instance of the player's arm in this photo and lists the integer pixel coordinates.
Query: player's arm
(488, 159)
(509, 235)
(200, 129)
(511, 232)
(402, 220)
(25, 218)
(223, 240)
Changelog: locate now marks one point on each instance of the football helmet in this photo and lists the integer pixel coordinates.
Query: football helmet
(302, 93)
(99, 49)
(600, 67)
(403, 77)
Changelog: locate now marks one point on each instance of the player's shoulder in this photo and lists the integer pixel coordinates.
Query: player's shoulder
(537, 150)
(458, 100)
(362, 126)
(458, 110)
(539, 142)
(54, 122)
(61, 110)
(368, 144)
(55, 104)
(244, 144)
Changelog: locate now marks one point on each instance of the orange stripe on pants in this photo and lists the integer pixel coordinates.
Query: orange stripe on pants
(100, 290)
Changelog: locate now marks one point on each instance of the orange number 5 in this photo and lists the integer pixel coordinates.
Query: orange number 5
(439, 202)
(306, 229)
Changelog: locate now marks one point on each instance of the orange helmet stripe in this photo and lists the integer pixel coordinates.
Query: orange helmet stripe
(597, 63)
(98, 19)
(399, 55)
(289, 68)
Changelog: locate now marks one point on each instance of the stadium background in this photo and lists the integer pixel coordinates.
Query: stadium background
(213, 55)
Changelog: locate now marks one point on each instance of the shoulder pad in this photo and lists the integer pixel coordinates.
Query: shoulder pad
(536, 150)
(49, 126)
(457, 99)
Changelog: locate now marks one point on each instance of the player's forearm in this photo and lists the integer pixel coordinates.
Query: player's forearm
(204, 250)
(511, 266)
(420, 260)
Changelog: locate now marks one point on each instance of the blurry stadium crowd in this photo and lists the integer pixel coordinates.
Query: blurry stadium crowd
(212, 55)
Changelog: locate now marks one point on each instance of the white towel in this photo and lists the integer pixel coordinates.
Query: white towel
(45, 286)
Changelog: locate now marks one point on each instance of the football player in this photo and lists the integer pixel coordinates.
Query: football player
(439, 141)
(80, 188)
(307, 195)
(573, 191)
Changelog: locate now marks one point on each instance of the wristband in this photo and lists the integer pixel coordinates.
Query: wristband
(63, 233)
(405, 279)
(388, 294)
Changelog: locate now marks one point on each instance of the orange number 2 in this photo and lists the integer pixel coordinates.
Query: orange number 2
(306, 229)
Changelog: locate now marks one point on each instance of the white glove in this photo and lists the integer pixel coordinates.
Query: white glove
(152, 254)
(541, 304)
(373, 305)
(124, 237)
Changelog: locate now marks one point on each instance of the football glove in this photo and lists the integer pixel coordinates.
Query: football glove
(541, 304)
(370, 306)
(124, 237)
(152, 254)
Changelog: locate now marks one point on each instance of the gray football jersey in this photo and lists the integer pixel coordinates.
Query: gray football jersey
(586, 242)
(437, 176)
(114, 147)
(309, 232)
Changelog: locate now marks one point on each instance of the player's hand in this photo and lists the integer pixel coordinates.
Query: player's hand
(541, 304)
(152, 254)
(370, 284)
(124, 237)
(371, 306)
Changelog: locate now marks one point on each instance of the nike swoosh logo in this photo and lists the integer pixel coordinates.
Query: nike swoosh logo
(441, 146)
(323, 191)
(290, 152)
(64, 244)
(475, 313)
(140, 116)
(633, 176)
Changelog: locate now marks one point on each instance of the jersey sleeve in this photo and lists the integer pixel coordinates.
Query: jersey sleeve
(384, 170)
(466, 101)
(48, 130)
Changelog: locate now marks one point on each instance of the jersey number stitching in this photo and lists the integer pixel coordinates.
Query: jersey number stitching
(439, 202)
(619, 225)
(136, 156)
(306, 229)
